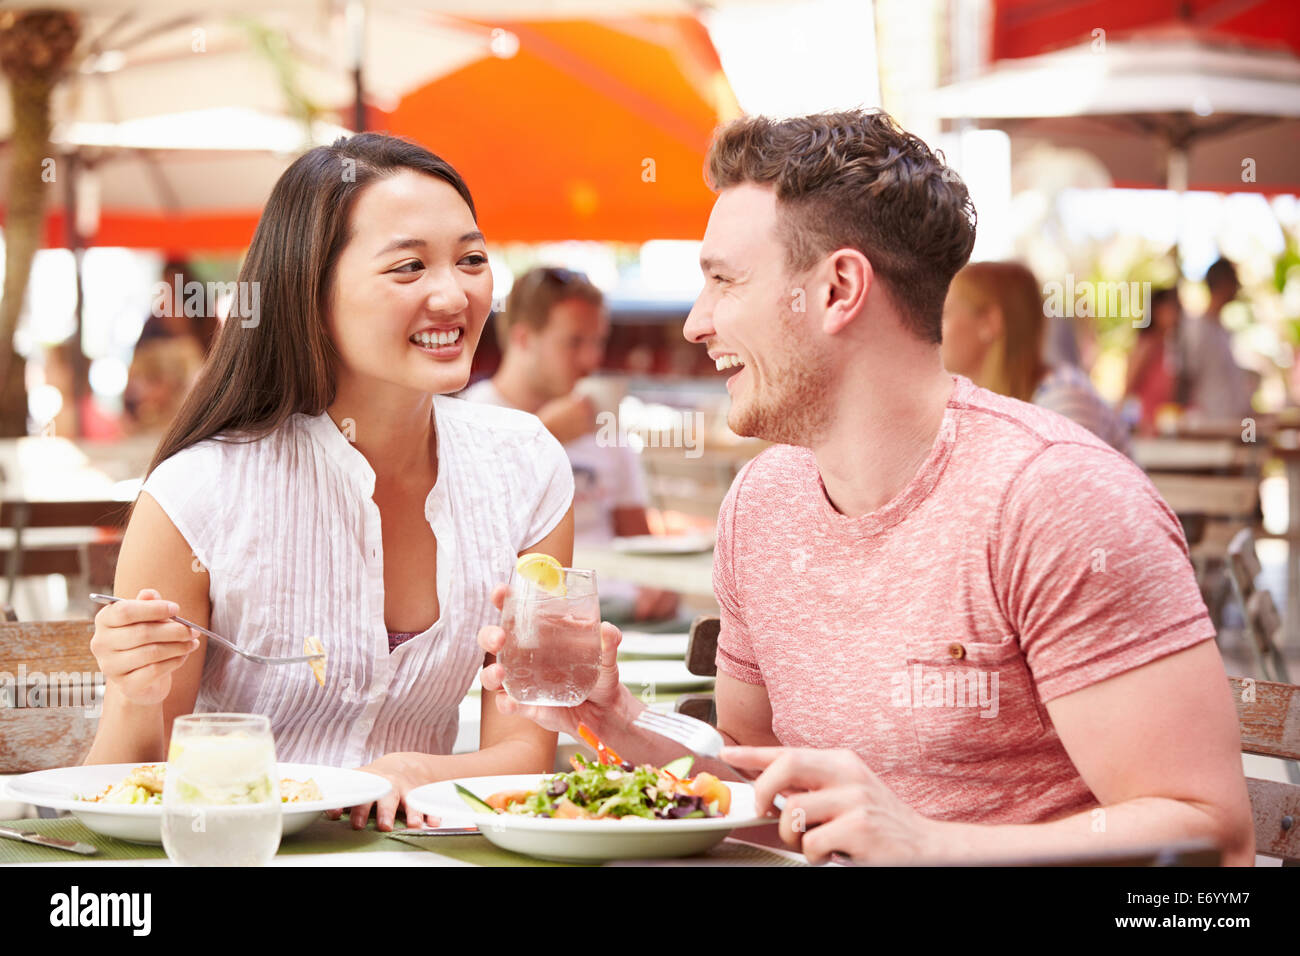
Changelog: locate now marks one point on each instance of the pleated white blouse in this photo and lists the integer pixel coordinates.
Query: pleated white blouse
(290, 536)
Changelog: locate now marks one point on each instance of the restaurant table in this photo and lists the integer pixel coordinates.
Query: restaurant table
(690, 574)
(335, 843)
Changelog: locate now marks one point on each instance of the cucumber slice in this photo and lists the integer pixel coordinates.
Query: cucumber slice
(475, 804)
(681, 767)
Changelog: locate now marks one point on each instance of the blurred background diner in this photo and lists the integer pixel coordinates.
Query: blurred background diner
(1136, 268)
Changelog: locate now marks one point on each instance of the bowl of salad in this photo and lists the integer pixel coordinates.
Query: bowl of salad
(603, 809)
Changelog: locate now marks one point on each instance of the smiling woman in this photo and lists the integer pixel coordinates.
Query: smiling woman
(317, 483)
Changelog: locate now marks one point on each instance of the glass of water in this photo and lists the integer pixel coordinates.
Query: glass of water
(221, 794)
(551, 655)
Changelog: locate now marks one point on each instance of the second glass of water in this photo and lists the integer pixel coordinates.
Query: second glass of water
(552, 651)
(221, 793)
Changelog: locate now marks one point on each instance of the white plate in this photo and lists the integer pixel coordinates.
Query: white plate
(654, 676)
(662, 646)
(581, 841)
(664, 544)
(142, 823)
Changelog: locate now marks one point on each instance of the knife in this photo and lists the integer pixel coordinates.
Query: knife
(435, 831)
(41, 839)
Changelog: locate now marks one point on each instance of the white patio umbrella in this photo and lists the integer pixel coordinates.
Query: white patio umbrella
(219, 160)
(148, 58)
(1174, 108)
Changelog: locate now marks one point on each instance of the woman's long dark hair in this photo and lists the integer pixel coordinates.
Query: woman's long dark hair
(284, 362)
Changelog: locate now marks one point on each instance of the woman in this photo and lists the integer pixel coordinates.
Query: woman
(993, 334)
(319, 481)
(1152, 376)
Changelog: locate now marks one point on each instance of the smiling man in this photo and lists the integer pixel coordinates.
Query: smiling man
(972, 626)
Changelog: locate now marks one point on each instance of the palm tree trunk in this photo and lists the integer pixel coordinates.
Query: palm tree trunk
(35, 49)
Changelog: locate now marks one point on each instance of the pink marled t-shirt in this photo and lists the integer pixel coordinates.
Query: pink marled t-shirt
(1026, 559)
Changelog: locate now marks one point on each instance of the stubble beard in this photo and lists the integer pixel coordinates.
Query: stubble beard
(795, 407)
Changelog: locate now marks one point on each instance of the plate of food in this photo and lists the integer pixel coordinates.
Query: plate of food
(606, 809)
(670, 646)
(124, 800)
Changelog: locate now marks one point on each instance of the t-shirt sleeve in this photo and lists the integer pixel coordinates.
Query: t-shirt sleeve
(182, 485)
(553, 477)
(735, 656)
(1092, 569)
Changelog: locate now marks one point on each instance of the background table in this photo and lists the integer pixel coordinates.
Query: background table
(690, 574)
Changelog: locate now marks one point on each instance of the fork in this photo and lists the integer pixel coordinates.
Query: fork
(695, 735)
(255, 658)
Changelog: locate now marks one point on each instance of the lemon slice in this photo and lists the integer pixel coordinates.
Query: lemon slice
(312, 645)
(544, 571)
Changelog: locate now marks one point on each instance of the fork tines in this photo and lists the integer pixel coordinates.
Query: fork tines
(694, 735)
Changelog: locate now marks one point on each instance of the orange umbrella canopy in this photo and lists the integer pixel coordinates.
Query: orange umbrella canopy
(590, 130)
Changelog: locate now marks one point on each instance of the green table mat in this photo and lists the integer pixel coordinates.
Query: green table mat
(327, 836)
(323, 836)
(475, 850)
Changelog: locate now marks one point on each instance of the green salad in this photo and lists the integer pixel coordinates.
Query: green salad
(614, 790)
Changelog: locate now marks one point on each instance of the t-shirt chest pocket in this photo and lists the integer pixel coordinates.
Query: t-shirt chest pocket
(968, 700)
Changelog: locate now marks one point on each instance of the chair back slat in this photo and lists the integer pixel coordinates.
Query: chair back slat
(49, 645)
(64, 514)
(1192, 454)
(1269, 715)
(1264, 620)
(1243, 563)
(1273, 804)
(702, 646)
(1211, 495)
(50, 689)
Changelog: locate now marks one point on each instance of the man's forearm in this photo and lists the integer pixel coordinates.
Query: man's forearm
(1141, 822)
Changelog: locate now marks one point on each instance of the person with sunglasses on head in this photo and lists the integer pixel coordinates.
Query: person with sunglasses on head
(552, 334)
(320, 482)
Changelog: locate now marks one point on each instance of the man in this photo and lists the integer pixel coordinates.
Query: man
(981, 616)
(1216, 386)
(552, 333)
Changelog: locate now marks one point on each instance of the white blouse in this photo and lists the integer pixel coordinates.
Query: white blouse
(290, 536)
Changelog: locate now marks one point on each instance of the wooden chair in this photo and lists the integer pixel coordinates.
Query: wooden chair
(701, 654)
(1269, 713)
(1213, 488)
(1263, 622)
(92, 561)
(1269, 718)
(50, 694)
(1243, 563)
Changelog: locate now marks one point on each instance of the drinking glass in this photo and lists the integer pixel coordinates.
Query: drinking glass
(221, 794)
(552, 651)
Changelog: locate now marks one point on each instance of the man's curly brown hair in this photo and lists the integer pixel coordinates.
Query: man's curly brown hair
(856, 179)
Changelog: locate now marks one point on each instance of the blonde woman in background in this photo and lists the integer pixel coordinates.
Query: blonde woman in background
(993, 326)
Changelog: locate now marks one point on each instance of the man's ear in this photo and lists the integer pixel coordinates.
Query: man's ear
(520, 335)
(849, 278)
